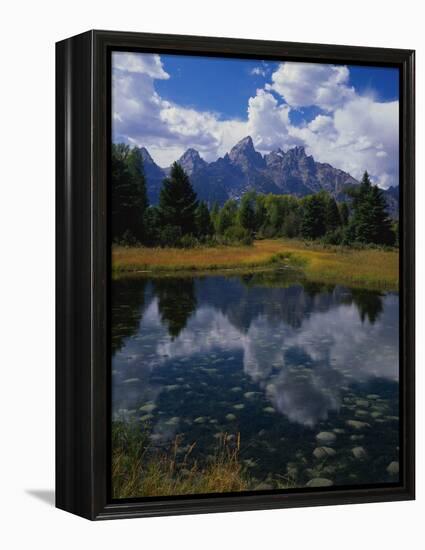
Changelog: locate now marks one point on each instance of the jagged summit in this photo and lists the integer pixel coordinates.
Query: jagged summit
(245, 155)
(243, 168)
(146, 155)
(191, 161)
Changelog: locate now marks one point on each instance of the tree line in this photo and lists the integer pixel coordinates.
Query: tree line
(180, 219)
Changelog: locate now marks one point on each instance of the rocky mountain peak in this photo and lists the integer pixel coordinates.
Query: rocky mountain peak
(290, 172)
(298, 151)
(245, 145)
(191, 161)
(245, 155)
(147, 159)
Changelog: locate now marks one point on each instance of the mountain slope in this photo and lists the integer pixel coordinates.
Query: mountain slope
(243, 168)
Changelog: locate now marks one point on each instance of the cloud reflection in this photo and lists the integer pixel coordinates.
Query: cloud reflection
(301, 366)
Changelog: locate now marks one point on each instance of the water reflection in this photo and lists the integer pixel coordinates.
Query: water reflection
(176, 302)
(291, 358)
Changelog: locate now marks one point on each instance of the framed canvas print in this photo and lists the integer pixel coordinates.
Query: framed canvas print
(235, 274)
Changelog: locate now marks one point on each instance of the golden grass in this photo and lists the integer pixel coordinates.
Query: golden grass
(137, 472)
(365, 267)
(373, 268)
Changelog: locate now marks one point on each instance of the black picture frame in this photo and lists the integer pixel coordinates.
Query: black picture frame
(82, 273)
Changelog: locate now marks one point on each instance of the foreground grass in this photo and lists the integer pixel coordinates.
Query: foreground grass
(140, 471)
(370, 268)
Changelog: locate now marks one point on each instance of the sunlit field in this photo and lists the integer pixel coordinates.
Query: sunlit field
(368, 267)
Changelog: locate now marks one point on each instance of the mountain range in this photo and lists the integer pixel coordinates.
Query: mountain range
(243, 169)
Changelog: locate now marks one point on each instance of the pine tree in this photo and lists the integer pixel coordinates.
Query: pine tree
(313, 224)
(381, 225)
(370, 221)
(333, 219)
(344, 213)
(129, 198)
(204, 225)
(177, 201)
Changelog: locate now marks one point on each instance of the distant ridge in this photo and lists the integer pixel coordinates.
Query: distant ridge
(242, 169)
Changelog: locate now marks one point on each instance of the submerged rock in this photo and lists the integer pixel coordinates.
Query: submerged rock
(323, 452)
(250, 394)
(319, 482)
(270, 410)
(148, 407)
(326, 437)
(393, 468)
(230, 416)
(239, 406)
(173, 421)
(359, 453)
(357, 424)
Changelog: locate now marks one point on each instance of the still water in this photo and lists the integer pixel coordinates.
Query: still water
(307, 374)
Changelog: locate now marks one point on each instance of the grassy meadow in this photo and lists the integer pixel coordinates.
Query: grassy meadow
(365, 267)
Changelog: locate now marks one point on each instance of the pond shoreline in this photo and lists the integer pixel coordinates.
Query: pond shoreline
(362, 268)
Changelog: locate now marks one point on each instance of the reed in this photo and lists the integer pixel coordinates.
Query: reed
(140, 470)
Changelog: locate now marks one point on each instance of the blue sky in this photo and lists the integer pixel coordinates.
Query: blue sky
(344, 115)
(225, 85)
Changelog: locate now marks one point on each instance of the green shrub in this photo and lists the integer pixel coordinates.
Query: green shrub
(170, 235)
(188, 241)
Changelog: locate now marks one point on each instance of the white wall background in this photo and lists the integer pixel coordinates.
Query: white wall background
(28, 32)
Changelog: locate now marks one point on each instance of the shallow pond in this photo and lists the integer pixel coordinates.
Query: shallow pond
(307, 374)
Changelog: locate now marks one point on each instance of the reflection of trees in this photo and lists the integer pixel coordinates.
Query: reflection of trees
(369, 304)
(127, 304)
(270, 295)
(176, 302)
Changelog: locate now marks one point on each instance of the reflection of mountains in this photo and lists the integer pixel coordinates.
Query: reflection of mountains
(299, 344)
(178, 299)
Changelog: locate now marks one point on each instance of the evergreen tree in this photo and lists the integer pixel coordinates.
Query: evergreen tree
(370, 221)
(381, 231)
(333, 219)
(313, 224)
(177, 201)
(344, 213)
(152, 226)
(204, 225)
(129, 198)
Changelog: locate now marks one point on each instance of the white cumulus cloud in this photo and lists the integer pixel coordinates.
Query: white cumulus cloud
(351, 132)
(307, 84)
